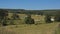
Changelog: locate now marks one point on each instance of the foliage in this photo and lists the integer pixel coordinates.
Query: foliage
(29, 20)
(15, 16)
(47, 19)
(3, 16)
(57, 18)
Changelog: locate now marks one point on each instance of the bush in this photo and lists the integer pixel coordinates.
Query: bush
(57, 18)
(4, 23)
(15, 16)
(29, 20)
(48, 19)
(3, 17)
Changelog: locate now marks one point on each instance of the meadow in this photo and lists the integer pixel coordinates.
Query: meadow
(40, 27)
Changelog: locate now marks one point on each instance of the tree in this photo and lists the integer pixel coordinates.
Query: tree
(57, 18)
(48, 19)
(15, 16)
(29, 20)
(3, 16)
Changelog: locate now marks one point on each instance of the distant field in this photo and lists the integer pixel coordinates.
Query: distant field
(37, 18)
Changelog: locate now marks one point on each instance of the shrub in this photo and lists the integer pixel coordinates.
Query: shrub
(57, 18)
(29, 20)
(3, 16)
(15, 16)
(48, 19)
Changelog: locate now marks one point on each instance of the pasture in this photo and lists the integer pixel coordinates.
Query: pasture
(40, 27)
(30, 29)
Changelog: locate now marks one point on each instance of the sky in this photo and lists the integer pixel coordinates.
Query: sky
(30, 4)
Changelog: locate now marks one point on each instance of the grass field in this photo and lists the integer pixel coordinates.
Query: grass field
(39, 28)
(30, 29)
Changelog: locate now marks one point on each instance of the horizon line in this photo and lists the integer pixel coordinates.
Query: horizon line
(29, 9)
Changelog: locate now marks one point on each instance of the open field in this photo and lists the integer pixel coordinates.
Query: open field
(40, 27)
(30, 29)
